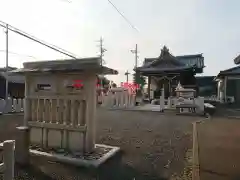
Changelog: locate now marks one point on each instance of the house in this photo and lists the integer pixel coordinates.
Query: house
(228, 82)
(15, 84)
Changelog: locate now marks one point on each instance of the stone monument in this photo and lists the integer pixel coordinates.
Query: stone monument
(60, 110)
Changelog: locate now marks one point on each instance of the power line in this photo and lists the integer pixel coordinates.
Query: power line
(67, 1)
(18, 54)
(124, 17)
(51, 46)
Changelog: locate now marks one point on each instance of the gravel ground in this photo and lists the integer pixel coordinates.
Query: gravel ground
(219, 146)
(155, 145)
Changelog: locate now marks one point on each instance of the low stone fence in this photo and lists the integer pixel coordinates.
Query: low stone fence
(7, 167)
(119, 97)
(11, 105)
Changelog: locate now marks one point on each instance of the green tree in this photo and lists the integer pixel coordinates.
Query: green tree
(139, 79)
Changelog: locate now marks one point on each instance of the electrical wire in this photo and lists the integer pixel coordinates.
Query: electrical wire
(124, 17)
(51, 46)
(18, 54)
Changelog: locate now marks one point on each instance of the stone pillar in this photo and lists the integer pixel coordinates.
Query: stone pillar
(225, 89)
(22, 145)
(111, 99)
(90, 90)
(27, 107)
(121, 98)
(126, 98)
(14, 105)
(200, 105)
(162, 103)
(117, 95)
(2, 105)
(8, 159)
(169, 102)
(149, 85)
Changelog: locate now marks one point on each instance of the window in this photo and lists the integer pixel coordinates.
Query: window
(45, 87)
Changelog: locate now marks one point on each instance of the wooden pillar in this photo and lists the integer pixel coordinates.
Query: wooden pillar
(149, 86)
(90, 90)
(27, 108)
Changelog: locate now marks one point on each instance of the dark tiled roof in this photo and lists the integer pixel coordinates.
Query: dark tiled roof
(147, 61)
(163, 69)
(165, 63)
(189, 56)
(3, 69)
(13, 78)
(234, 70)
(237, 60)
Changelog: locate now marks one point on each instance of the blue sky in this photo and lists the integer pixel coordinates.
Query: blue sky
(188, 26)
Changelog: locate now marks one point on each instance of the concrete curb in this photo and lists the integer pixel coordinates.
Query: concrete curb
(77, 161)
(195, 163)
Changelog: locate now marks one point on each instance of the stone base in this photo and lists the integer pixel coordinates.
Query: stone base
(102, 154)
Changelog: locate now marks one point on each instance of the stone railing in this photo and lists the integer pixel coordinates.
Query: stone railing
(119, 97)
(7, 167)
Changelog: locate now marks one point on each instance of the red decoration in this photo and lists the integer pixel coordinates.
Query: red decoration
(130, 85)
(79, 83)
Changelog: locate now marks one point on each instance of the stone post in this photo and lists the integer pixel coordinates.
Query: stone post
(90, 89)
(8, 159)
(27, 105)
(22, 145)
(162, 103)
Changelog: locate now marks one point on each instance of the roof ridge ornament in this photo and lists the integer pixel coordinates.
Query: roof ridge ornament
(164, 51)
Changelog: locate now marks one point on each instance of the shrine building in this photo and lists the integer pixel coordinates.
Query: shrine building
(166, 71)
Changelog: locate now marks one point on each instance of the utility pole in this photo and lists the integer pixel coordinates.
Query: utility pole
(102, 50)
(126, 74)
(6, 93)
(135, 51)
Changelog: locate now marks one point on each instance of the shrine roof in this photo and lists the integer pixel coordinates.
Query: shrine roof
(166, 62)
(228, 72)
(237, 60)
(68, 65)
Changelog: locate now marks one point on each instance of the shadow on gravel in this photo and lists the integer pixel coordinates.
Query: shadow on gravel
(28, 173)
(125, 172)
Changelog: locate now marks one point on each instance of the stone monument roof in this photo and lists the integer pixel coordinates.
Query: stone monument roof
(67, 65)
